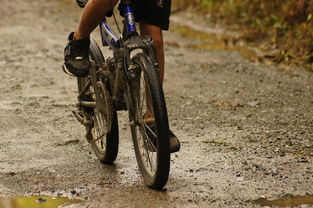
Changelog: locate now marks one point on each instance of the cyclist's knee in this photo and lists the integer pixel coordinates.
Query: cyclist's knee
(110, 3)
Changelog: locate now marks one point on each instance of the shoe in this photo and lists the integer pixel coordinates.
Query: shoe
(76, 56)
(174, 142)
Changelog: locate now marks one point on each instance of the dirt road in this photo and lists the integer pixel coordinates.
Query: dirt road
(246, 129)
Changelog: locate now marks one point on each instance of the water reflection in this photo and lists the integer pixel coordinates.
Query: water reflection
(287, 201)
(35, 202)
(213, 41)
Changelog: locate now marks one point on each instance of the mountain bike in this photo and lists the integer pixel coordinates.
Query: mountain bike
(129, 80)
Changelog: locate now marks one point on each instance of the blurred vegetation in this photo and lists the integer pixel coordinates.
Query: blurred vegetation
(284, 28)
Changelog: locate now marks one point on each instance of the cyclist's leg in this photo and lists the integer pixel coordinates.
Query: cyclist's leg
(156, 33)
(93, 13)
(157, 36)
(76, 52)
(153, 19)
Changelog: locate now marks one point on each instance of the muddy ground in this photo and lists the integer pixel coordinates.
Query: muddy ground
(246, 128)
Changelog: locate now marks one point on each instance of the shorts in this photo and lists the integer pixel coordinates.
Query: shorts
(148, 12)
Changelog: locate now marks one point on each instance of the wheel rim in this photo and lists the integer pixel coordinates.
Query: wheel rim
(144, 133)
(101, 119)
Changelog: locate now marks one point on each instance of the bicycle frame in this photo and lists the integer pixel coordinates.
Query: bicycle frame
(109, 38)
(122, 48)
(127, 81)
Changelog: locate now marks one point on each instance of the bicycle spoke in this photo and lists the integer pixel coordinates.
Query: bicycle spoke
(94, 90)
(101, 130)
(144, 146)
(146, 98)
(149, 142)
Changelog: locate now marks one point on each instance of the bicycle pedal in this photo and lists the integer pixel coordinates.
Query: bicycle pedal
(83, 120)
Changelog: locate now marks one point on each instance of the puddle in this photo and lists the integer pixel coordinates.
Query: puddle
(287, 201)
(213, 41)
(35, 202)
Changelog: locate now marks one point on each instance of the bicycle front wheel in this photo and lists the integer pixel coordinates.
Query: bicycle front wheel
(149, 123)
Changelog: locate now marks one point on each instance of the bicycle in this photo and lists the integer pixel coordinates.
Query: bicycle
(127, 81)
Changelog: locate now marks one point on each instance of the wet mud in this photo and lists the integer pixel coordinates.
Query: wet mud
(246, 128)
(212, 41)
(287, 201)
(36, 202)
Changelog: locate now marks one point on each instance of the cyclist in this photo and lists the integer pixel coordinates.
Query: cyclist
(153, 17)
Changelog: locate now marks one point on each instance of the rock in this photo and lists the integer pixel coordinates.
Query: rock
(12, 173)
(303, 160)
(289, 143)
(41, 200)
(253, 103)
(241, 178)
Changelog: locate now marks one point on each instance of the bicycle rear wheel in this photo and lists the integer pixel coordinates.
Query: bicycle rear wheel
(103, 134)
(150, 134)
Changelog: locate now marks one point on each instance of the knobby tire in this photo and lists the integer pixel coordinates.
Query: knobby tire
(154, 177)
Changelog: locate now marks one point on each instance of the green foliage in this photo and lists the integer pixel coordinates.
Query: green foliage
(287, 24)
